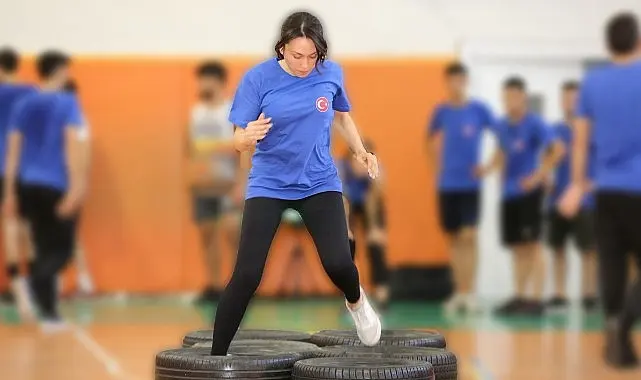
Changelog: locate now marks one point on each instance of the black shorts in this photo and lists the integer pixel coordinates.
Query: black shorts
(581, 228)
(19, 194)
(618, 223)
(521, 218)
(458, 210)
(207, 208)
(358, 211)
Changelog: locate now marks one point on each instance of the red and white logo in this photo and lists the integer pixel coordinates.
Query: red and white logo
(322, 104)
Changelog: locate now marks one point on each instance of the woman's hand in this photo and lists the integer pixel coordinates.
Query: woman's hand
(246, 138)
(370, 162)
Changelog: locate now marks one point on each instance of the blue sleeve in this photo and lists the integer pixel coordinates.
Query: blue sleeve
(341, 102)
(16, 122)
(74, 113)
(246, 104)
(583, 106)
(545, 135)
(436, 121)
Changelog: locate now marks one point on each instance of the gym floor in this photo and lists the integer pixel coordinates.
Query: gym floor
(117, 338)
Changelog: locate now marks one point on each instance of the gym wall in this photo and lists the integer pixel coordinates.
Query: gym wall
(134, 67)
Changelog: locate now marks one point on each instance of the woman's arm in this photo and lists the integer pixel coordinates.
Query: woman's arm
(345, 125)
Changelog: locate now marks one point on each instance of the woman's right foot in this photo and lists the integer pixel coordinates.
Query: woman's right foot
(367, 322)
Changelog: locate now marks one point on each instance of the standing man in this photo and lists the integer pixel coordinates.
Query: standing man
(528, 152)
(217, 192)
(46, 151)
(454, 135)
(15, 229)
(580, 227)
(609, 116)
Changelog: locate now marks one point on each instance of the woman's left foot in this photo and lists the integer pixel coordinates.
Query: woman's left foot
(368, 323)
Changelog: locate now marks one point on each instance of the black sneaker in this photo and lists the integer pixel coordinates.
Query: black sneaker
(208, 295)
(619, 351)
(532, 308)
(558, 302)
(590, 303)
(510, 307)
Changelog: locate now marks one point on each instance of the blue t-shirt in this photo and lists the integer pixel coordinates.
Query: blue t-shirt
(42, 119)
(10, 93)
(610, 98)
(293, 161)
(562, 174)
(355, 186)
(462, 127)
(522, 143)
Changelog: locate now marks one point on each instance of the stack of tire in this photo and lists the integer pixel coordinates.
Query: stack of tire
(327, 354)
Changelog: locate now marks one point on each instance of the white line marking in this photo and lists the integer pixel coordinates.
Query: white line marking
(108, 361)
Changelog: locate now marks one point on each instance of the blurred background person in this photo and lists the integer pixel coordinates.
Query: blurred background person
(84, 278)
(608, 116)
(365, 211)
(455, 132)
(216, 192)
(17, 243)
(46, 153)
(581, 227)
(529, 151)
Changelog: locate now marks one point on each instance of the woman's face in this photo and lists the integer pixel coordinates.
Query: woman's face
(300, 56)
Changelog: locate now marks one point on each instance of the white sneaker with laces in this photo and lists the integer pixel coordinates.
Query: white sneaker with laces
(367, 322)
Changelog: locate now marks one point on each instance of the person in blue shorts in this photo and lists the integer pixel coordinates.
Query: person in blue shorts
(365, 206)
(528, 151)
(581, 227)
(609, 118)
(46, 152)
(15, 230)
(283, 111)
(455, 133)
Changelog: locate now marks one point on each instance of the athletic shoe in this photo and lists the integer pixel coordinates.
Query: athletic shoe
(511, 307)
(53, 325)
(590, 303)
(368, 324)
(455, 304)
(471, 305)
(23, 299)
(85, 284)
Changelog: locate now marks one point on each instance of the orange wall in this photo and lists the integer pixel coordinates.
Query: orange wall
(136, 226)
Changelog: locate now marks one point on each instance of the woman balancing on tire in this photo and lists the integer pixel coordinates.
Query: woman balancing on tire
(283, 111)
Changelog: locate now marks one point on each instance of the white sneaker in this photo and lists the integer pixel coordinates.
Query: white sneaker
(24, 302)
(454, 304)
(52, 326)
(471, 304)
(368, 324)
(85, 284)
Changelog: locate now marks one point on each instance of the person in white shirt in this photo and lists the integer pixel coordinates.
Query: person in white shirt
(217, 193)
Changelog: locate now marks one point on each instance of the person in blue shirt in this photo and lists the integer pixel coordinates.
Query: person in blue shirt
(580, 227)
(283, 112)
(45, 151)
(365, 207)
(15, 231)
(528, 151)
(455, 133)
(609, 118)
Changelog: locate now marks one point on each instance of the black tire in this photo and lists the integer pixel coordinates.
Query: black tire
(361, 368)
(443, 361)
(197, 364)
(200, 336)
(414, 338)
(256, 346)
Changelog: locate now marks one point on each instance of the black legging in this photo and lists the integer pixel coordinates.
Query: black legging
(324, 217)
(618, 225)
